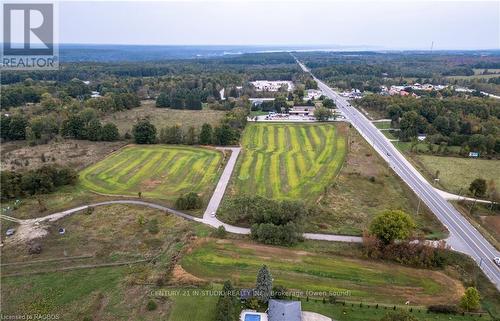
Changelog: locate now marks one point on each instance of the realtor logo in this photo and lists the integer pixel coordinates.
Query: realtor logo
(29, 36)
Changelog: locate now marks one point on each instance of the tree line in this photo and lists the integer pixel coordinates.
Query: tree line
(469, 122)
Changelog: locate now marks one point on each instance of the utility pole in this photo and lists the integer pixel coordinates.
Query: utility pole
(418, 206)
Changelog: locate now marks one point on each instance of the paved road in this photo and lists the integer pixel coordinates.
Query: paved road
(464, 237)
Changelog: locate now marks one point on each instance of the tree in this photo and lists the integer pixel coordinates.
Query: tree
(109, 132)
(478, 187)
(191, 136)
(224, 135)
(171, 135)
(328, 103)
(17, 127)
(189, 201)
(206, 134)
(393, 225)
(163, 100)
(144, 132)
(322, 113)
(264, 284)
(470, 300)
(226, 308)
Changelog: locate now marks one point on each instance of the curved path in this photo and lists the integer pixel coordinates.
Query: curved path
(212, 222)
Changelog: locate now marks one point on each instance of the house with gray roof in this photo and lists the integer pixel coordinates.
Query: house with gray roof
(281, 310)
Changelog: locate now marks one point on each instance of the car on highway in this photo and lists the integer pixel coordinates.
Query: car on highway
(212, 214)
(497, 261)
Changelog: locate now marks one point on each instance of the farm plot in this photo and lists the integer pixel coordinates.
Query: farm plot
(283, 161)
(163, 172)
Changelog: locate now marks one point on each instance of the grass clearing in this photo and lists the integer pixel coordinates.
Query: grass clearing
(364, 188)
(157, 171)
(162, 117)
(366, 280)
(456, 173)
(284, 161)
(75, 153)
(111, 234)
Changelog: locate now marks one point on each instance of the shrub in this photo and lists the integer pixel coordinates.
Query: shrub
(220, 232)
(443, 308)
(399, 316)
(189, 201)
(153, 226)
(151, 306)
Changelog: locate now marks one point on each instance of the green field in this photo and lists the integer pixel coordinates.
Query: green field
(159, 171)
(284, 161)
(304, 270)
(456, 173)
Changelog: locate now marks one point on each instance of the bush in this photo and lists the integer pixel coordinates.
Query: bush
(153, 226)
(151, 306)
(399, 316)
(220, 232)
(442, 308)
(189, 201)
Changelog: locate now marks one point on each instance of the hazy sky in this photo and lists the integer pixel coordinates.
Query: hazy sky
(391, 24)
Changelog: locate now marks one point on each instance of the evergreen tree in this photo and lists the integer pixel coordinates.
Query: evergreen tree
(206, 134)
(264, 284)
(226, 305)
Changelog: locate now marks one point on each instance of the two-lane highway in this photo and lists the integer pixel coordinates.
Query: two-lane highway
(463, 236)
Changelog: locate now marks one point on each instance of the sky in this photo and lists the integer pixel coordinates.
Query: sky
(377, 24)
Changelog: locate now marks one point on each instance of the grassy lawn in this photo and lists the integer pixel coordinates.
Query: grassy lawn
(356, 313)
(305, 270)
(159, 171)
(456, 174)
(382, 124)
(284, 161)
(162, 117)
(192, 308)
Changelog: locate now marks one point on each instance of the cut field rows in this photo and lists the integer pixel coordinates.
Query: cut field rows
(289, 161)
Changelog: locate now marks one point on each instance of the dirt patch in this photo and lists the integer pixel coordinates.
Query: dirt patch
(75, 153)
(181, 277)
(26, 232)
(151, 184)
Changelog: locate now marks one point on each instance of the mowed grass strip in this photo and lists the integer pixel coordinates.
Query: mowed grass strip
(288, 161)
(158, 171)
(218, 260)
